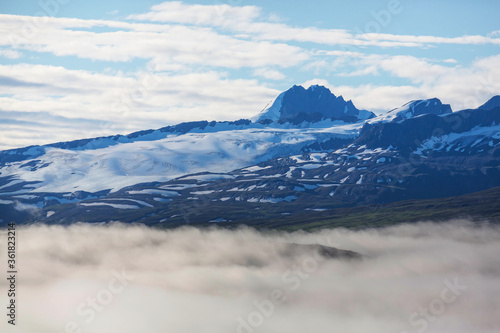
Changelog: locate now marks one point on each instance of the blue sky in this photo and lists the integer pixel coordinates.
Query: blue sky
(71, 69)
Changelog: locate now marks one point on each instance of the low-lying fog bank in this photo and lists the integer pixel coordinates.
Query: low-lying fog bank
(119, 279)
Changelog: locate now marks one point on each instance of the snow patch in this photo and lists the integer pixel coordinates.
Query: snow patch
(271, 111)
(12, 183)
(218, 220)
(140, 202)
(255, 168)
(116, 206)
(162, 200)
(289, 198)
(154, 191)
(202, 192)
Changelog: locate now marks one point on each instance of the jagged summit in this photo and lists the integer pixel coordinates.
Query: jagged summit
(414, 109)
(297, 105)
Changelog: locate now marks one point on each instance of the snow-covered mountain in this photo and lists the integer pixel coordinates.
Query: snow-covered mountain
(413, 109)
(302, 149)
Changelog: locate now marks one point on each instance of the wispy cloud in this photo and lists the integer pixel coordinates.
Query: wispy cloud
(269, 74)
(10, 54)
(249, 19)
(164, 43)
(213, 15)
(462, 87)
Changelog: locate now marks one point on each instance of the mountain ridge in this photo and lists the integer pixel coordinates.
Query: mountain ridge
(243, 165)
(204, 125)
(412, 109)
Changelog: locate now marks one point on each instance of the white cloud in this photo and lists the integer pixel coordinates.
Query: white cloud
(79, 104)
(248, 19)
(371, 97)
(10, 54)
(462, 87)
(368, 70)
(422, 40)
(191, 280)
(216, 15)
(163, 43)
(412, 68)
(26, 207)
(269, 74)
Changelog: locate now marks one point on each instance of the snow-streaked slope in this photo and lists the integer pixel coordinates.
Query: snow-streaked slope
(123, 164)
(271, 111)
(413, 109)
(473, 140)
(364, 114)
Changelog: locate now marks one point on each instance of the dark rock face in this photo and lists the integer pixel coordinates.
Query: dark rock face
(492, 103)
(314, 104)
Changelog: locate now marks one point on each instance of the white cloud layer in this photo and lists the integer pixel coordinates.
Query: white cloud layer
(419, 277)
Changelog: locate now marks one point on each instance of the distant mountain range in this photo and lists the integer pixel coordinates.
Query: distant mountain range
(308, 152)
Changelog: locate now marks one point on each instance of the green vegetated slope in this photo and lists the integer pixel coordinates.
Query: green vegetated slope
(478, 206)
